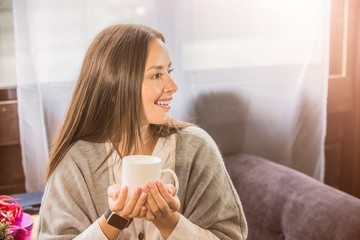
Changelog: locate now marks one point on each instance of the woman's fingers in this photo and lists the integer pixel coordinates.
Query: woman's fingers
(113, 189)
(152, 205)
(129, 206)
(172, 201)
(117, 197)
(159, 199)
(149, 216)
(143, 211)
(171, 189)
(138, 206)
(122, 197)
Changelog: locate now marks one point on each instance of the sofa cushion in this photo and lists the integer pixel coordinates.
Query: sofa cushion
(291, 204)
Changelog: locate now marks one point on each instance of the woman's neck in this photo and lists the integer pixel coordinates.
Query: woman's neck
(148, 142)
(145, 146)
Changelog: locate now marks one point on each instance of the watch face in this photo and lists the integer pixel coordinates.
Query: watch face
(117, 221)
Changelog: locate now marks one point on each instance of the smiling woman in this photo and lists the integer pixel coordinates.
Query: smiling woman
(158, 86)
(120, 107)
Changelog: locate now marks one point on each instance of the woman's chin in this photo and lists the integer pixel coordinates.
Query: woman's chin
(160, 121)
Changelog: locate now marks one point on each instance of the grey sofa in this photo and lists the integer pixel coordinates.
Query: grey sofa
(281, 203)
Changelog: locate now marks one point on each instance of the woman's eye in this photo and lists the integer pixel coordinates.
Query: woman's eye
(156, 76)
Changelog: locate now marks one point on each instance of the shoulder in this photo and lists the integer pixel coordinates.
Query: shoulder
(85, 155)
(196, 136)
(194, 131)
(194, 142)
(85, 147)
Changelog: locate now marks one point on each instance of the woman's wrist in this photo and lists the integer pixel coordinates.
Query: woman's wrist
(167, 225)
(109, 231)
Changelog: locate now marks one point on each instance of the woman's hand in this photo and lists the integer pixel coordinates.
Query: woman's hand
(131, 208)
(134, 207)
(162, 207)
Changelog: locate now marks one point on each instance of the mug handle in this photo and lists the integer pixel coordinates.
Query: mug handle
(163, 171)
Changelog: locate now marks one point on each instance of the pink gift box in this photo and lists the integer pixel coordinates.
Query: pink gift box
(23, 229)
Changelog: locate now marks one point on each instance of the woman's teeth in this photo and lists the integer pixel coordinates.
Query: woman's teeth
(162, 102)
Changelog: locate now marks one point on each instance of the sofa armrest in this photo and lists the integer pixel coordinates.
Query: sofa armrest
(281, 203)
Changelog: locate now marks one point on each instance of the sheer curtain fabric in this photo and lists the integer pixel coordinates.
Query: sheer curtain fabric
(254, 71)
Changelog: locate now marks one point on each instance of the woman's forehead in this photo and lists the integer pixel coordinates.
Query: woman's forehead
(158, 55)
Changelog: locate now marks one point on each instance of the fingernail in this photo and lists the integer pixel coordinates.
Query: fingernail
(158, 183)
(143, 196)
(137, 190)
(125, 189)
(169, 190)
(114, 195)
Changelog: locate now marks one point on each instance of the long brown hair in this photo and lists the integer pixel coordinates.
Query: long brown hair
(106, 103)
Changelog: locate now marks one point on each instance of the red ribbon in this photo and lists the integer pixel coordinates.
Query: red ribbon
(10, 211)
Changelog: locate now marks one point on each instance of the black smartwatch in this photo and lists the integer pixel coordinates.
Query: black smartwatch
(115, 220)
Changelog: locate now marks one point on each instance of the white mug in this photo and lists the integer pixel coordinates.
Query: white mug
(139, 170)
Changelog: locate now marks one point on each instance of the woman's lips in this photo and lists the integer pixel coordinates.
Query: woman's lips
(164, 106)
(164, 103)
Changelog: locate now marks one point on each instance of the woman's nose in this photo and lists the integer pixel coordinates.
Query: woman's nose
(170, 86)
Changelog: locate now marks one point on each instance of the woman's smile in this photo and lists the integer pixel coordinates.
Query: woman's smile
(164, 103)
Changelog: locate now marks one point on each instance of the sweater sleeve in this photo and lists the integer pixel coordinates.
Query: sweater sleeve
(206, 192)
(92, 232)
(188, 230)
(67, 209)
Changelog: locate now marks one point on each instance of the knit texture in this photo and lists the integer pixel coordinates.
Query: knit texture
(76, 195)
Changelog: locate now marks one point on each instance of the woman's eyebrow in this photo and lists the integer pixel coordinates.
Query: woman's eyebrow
(157, 67)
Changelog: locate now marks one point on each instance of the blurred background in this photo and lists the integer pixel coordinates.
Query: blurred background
(273, 78)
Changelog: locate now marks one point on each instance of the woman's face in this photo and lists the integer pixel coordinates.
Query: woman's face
(158, 86)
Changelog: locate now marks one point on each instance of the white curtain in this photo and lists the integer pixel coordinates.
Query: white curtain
(252, 73)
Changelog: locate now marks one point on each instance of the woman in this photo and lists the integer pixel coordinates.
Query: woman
(120, 107)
